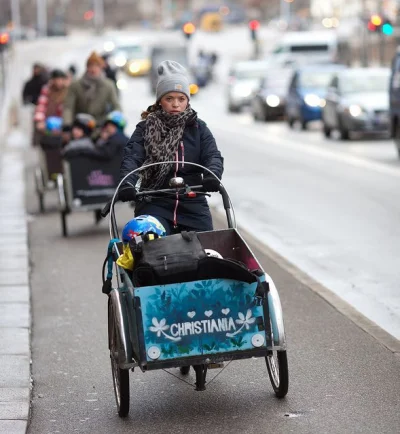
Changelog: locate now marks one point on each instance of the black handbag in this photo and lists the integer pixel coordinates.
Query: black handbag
(166, 260)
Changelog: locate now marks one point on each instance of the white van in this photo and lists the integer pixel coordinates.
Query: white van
(306, 47)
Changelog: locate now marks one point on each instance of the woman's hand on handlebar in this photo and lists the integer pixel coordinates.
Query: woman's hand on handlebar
(210, 183)
(127, 193)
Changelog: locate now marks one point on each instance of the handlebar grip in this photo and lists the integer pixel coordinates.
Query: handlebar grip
(104, 212)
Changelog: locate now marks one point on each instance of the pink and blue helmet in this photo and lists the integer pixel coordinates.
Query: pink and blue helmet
(141, 225)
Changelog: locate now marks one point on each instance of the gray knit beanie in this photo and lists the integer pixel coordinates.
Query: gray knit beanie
(172, 77)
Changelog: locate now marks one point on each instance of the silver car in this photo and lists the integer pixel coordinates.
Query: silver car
(357, 101)
(244, 79)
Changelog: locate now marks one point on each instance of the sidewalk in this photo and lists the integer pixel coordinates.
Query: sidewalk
(15, 320)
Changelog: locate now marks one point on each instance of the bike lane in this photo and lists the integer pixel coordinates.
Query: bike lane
(341, 378)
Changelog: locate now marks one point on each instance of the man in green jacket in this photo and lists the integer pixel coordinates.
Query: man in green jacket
(93, 94)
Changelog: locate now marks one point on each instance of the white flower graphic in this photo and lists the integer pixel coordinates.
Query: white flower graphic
(243, 321)
(160, 327)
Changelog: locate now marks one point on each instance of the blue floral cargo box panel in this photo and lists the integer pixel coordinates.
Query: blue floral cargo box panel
(203, 317)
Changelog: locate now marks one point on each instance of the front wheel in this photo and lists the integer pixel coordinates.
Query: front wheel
(120, 376)
(278, 371)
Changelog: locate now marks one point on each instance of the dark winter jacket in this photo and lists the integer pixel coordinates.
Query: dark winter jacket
(103, 150)
(32, 88)
(198, 147)
(112, 147)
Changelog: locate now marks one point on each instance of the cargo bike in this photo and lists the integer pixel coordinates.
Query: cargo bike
(202, 313)
(85, 185)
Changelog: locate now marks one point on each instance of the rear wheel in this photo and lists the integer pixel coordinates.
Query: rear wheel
(278, 371)
(64, 227)
(120, 376)
(40, 188)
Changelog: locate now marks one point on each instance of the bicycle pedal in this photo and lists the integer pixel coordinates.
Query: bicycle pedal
(215, 365)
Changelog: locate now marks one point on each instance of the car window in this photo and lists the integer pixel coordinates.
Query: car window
(249, 74)
(308, 48)
(364, 83)
(315, 79)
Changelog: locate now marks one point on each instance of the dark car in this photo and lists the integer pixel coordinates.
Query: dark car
(394, 101)
(307, 91)
(357, 101)
(269, 101)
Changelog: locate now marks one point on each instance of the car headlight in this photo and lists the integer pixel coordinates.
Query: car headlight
(120, 61)
(121, 84)
(273, 100)
(312, 100)
(242, 91)
(355, 110)
(322, 102)
(134, 67)
(109, 46)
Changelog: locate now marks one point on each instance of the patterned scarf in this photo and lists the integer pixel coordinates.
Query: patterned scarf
(162, 136)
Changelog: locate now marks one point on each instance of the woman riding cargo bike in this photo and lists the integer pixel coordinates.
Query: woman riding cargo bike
(171, 131)
(197, 297)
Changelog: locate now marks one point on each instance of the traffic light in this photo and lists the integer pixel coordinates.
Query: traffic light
(4, 40)
(254, 25)
(188, 29)
(374, 23)
(387, 28)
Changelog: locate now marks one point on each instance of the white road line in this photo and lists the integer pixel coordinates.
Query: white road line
(310, 149)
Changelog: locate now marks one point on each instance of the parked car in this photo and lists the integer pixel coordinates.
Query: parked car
(307, 92)
(244, 78)
(394, 101)
(357, 101)
(269, 101)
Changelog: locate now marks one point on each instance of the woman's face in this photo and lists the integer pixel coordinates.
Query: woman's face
(174, 102)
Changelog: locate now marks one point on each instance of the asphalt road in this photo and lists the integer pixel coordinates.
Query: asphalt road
(330, 208)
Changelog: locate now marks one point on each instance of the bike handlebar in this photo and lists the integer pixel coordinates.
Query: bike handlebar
(163, 192)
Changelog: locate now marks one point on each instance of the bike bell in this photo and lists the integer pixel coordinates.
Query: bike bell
(213, 253)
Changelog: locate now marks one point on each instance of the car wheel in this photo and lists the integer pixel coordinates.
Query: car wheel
(232, 109)
(327, 131)
(344, 132)
(397, 137)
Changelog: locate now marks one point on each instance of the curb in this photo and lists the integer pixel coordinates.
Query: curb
(15, 308)
(382, 336)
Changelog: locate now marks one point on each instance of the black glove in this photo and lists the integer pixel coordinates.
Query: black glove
(210, 183)
(127, 193)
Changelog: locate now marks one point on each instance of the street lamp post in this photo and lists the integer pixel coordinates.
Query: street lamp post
(41, 17)
(98, 15)
(285, 10)
(16, 14)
